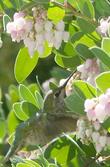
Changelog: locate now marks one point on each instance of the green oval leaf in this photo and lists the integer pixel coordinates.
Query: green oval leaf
(56, 14)
(71, 62)
(24, 64)
(84, 51)
(86, 8)
(75, 104)
(39, 99)
(26, 94)
(24, 165)
(103, 81)
(17, 108)
(2, 128)
(105, 45)
(100, 54)
(86, 26)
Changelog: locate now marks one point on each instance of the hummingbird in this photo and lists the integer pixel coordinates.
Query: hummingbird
(47, 124)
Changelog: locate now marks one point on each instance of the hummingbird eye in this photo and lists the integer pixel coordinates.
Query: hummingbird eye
(57, 93)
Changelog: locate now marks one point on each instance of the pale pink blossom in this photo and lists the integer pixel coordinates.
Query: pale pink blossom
(103, 140)
(18, 29)
(60, 26)
(89, 104)
(104, 26)
(89, 70)
(100, 113)
(95, 136)
(65, 36)
(96, 125)
(48, 26)
(18, 15)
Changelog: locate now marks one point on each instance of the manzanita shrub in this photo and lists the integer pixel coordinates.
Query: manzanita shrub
(77, 33)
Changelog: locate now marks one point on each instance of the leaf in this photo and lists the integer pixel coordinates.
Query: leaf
(88, 40)
(86, 8)
(56, 14)
(17, 108)
(66, 50)
(72, 62)
(84, 90)
(24, 64)
(2, 128)
(105, 45)
(86, 26)
(61, 149)
(26, 94)
(30, 162)
(76, 144)
(75, 104)
(12, 118)
(6, 19)
(47, 51)
(84, 51)
(53, 86)
(103, 81)
(100, 54)
(102, 8)
(24, 165)
(39, 99)
(106, 124)
(0, 94)
(33, 87)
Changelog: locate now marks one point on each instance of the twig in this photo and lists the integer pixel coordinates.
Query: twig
(105, 159)
(75, 13)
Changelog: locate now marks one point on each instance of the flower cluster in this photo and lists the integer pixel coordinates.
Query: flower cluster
(91, 129)
(98, 108)
(89, 70)
(92, 132)
(104, 26)
(36, 31)
(19, 28)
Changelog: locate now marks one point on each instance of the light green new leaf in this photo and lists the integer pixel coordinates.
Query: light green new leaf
(103, 81)
(55, 14)
(26, 94)
(106, 45)
(24, 64)
(2, 128)
(39, 99)
(47, 51)
(25, 165)
(30, 162)
(17, 108)
(12, 122)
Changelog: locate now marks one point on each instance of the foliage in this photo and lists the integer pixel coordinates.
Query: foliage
(77, 34)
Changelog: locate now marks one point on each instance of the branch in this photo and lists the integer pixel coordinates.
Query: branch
(74, 12)
(105, 159)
